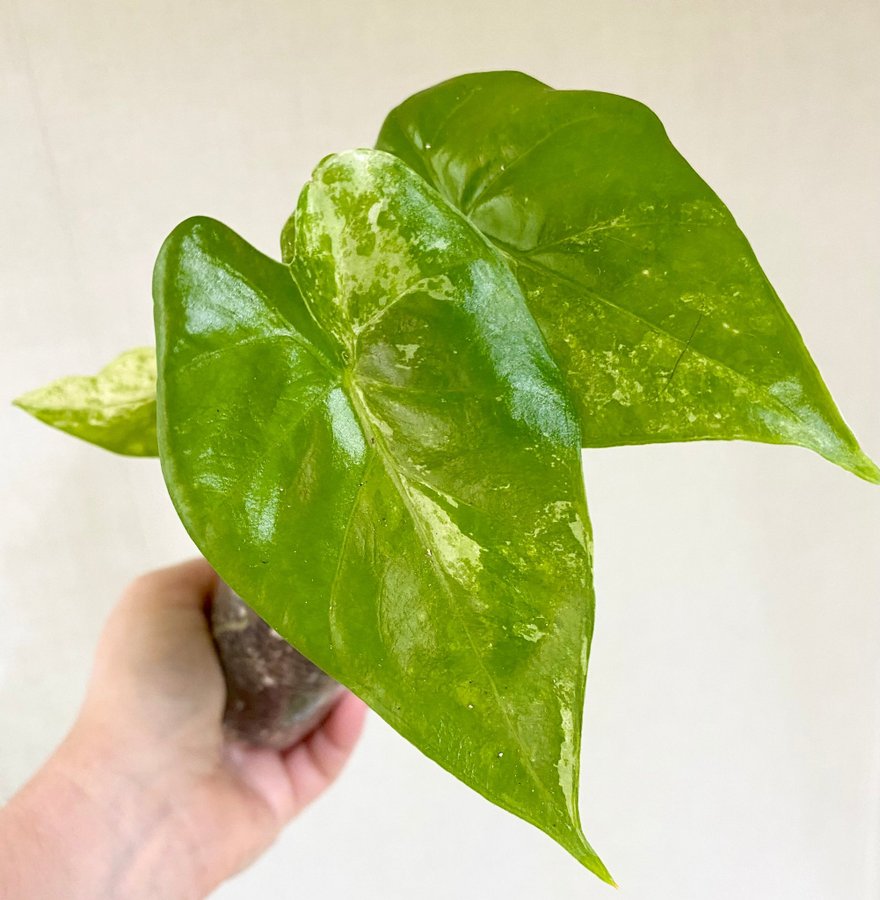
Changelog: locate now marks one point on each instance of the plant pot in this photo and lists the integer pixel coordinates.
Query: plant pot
(274, 695)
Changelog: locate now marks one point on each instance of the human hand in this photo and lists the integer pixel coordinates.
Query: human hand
(145, 797)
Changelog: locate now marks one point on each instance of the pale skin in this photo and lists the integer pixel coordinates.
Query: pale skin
(145, 798)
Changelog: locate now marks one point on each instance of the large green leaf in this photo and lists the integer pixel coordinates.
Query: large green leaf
(115, 409)
(379, 456)
(648, 293)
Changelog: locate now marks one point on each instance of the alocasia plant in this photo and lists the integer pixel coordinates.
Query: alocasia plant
(376, 442)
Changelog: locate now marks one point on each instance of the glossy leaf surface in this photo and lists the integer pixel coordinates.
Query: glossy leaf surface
(649, 295)
(379, 456)
(115, 409)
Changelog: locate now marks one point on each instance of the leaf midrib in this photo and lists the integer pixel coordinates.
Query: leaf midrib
(381, 450)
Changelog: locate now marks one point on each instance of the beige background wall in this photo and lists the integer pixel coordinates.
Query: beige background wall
(733, 711)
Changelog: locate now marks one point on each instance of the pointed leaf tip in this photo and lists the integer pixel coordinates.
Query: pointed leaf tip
(115, 409)
(867, 469)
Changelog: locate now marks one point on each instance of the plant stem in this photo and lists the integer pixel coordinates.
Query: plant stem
(274, 695)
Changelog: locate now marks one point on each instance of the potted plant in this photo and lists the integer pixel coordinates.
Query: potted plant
(376, 441)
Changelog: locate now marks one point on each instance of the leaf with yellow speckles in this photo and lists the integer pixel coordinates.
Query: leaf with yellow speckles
(115, 409)
(379, 455)
(649, 295)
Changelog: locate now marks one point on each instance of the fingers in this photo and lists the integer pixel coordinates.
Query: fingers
(155, 663)
(161, 616)
(331, 745)
(314, 763)
(189, 583)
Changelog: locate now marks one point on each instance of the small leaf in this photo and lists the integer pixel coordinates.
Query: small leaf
(115, 409)
(648, 293)
(387, 429)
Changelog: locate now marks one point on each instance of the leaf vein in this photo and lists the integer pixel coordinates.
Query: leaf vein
(397, 479)
(709, 360)
(481, 195)
(343, 546)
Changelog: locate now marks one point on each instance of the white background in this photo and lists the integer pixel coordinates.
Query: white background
(732, 735)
